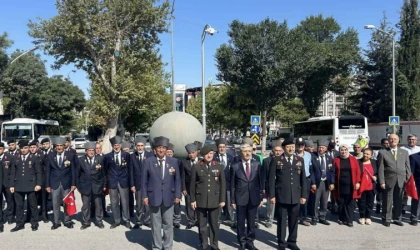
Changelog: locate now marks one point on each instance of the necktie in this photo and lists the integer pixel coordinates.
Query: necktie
(161, 167)
(223, 160)
(140, 156)
(248, 171)
(91, 162)
(60, 160)
(323, 174)
(289, 160)
(117, 159)
(395, 154)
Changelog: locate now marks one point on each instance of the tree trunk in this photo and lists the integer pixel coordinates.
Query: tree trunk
(264, 133)
(111, 131)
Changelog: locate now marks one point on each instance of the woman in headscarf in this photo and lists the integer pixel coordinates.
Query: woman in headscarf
(347, 182)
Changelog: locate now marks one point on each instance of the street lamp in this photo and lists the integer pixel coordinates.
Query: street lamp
(211, 31)
(24, 53)
(372, 27)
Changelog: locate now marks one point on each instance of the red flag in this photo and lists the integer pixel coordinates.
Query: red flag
(106, 191)
(410, 188)
(70, 203)
(365, 181)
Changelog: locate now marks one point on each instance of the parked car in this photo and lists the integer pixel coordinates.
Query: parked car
(79, 143)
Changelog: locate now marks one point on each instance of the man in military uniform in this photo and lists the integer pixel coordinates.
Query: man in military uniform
(287, 189)
(208, 196)
(60, 179)
(160, 189)
(25, 180)
(46, 149)
(7, 163)
(186, 168)
(90, 181)
(12, 147)
(46, 146)
(67, 147)
(136, 165)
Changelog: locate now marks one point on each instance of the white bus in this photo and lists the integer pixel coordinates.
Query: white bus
(29, 129)
(344, 129)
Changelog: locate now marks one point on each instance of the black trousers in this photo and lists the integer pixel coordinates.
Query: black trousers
(33, 206)
(415, 204)
(10, 201)
(210, 215)
(248, 213)
(307, 208)
(287, 216)
(41, 197)
(191, 213)
(366, 204)
(346, 205)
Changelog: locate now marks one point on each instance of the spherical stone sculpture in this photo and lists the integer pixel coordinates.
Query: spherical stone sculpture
(180, 128)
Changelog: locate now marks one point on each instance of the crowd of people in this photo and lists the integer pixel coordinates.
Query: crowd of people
(218, 186)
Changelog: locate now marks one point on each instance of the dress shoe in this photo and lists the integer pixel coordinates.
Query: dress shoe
(340, 222)
(414, 223)
(250, 246)
(45, 220)
(362, 221)
(101, 225)
(368, 221)
(1, 228)
(17, 228)
(84, 226)
(313, 222)
(189, 226)
(177, 226)
(387, 224)
(268, 225)
(69, 225)
(293, 247)
(34, 227)
(398, 223)
(136, 226)
(10, 222)
(115, 225)
(55, 226)
(350, 224)
(304, 223)
(324, 222)
(127, 225)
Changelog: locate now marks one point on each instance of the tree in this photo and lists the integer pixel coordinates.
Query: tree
(290, 111)
(115, 42)
(324, 57)
(5, 43)
(373, 82)
(408, 62)
(255, 61)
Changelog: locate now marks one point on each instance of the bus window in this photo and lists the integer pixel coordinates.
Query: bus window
(44, 129)
(17, 131)
(351, 123)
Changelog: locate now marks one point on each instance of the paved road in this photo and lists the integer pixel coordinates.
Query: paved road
(331, 237)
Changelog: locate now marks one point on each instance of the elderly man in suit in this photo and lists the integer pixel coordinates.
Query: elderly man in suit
(247, 185)
(117, 167)
(90, 181)
(393, 172)
(136, 166)
(208, 196)
(60, 179)
(160, 189)
(186, 168)
(322, 173)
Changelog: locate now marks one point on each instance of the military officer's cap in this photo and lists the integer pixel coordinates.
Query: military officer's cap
(115, 140)
(45, 140)
(33, 143)
(331, 142)
(171, 146)
(125, 144)
(277, 143)
(23, 143)
(300, 141)
(161, 141)
(221, 141)
(206, 149)
(198, 144)
(59, 141)
(309, 143)
(288, 141)
(90, 145)
(140, 139)
(248, 141)
(324, 143)
(191, 148)
(1, 145)
(11, 141)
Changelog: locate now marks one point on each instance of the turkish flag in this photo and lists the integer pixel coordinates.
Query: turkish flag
(70, 203)
(410, 188)
(365, 181)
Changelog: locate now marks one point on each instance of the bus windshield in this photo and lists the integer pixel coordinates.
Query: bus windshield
(16, 131)
(351, 123)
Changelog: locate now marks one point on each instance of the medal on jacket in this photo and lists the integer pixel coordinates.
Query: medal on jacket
(216, 174)
(7, 164)
(171, 170)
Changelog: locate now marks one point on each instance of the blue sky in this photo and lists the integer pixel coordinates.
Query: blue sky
(193, 15)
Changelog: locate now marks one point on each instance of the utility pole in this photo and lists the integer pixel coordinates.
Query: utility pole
(172, 58)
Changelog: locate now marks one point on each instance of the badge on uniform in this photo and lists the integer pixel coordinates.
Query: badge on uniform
(123, 163)
(171, 170)
(30, 164)
(7, 164)
(279, 165)
(67, 163)
(299, 163)
(98, 166)
(330, 166)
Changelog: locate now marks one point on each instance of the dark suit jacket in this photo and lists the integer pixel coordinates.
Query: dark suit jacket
(26, 174)
(161, 191)
(244, 191)
(266, 171)
(71, 150)
(287, 181)
(208, 185)
(186, 170)
(90, 179)
(315, 169)
(230, 160)
(136, 168)
(7, 163)
(118, 174)
(64, 174)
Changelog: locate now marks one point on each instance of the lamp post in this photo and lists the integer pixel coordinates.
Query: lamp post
(211, 31)
(87, 112)
(372, 27)
(24, 53)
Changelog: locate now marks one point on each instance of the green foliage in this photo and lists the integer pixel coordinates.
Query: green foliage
(289, 112)
(374, 79)
(5, 43)
(408, 62)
